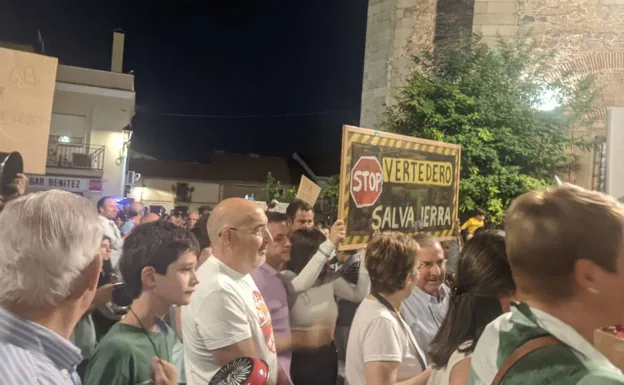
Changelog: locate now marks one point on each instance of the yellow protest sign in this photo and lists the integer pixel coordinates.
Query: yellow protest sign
(398, 183)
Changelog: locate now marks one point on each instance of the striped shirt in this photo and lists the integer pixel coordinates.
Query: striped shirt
(30, 354)
(574, 362)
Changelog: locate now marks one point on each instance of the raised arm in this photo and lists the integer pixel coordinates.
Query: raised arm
(354, 293)
(306, 279)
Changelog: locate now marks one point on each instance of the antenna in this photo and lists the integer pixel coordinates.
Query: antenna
(40, 41)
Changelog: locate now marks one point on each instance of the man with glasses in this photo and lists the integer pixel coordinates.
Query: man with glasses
(227, 317)
(425, 309)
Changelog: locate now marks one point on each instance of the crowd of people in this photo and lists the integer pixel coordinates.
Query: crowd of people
(87, 298)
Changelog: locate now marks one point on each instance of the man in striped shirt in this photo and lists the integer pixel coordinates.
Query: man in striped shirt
(49, 269)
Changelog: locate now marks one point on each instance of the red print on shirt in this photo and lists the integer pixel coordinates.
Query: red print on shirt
(264, 317)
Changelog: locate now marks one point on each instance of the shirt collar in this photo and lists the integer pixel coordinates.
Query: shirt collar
(33, 337)
(444, 290)
(563, 332)
(265, 267)
(226, 269)
(106, 220)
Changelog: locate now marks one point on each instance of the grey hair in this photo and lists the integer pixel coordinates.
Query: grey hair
(425, 240)
(47, 239)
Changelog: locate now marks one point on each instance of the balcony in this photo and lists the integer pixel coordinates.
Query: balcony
(71, 156)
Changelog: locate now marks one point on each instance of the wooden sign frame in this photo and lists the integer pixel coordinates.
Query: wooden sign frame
(351, 135)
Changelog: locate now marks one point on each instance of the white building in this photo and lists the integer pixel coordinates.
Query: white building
(88, 142)
(193, 186)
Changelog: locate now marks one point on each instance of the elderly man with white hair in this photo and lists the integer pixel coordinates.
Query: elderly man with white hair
(49, 268)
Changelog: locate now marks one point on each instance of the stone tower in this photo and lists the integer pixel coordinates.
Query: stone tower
(586, 35)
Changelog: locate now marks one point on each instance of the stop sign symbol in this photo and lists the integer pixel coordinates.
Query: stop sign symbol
(366, 181)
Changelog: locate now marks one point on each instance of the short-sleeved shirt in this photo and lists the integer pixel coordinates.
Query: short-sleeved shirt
(377, 335)
(124, 356)
(273, 288)
(227, 308)
(471, 225)
(573, 362)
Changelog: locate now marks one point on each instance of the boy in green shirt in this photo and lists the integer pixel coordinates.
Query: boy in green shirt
(158, 265)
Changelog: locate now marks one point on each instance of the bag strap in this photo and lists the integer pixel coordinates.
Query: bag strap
(525, 349)
(388, 306)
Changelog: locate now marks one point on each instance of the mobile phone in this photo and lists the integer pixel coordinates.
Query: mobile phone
(11, 164)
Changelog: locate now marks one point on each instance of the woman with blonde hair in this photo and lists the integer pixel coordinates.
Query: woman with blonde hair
(381, 348)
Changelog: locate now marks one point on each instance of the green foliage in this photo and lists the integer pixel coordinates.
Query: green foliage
(333, 189)
(275, 190)
(487, 101)
(329, 196)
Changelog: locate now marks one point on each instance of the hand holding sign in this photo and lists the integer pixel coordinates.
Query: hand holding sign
(337, 233)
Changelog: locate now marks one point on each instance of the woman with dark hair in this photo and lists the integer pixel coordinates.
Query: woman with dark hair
(313, 315)
(482, 292)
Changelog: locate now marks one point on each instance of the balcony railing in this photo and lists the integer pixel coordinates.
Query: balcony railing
(75, 156)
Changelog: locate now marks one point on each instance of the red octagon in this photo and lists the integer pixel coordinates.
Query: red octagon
(366, 181)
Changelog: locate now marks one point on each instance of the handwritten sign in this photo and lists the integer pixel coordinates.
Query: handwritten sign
(308, 190)
(399, 183)
(27, 83)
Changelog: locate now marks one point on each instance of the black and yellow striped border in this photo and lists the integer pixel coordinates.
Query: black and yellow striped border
(352, 135)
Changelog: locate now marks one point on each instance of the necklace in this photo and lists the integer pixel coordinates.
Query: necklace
(163, 330)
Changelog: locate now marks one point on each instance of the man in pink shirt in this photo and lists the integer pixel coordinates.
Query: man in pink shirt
(277, 291)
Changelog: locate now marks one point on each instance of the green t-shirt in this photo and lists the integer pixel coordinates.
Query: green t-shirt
(124, 356)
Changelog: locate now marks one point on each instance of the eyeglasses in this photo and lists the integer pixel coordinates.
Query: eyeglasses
(260, 232)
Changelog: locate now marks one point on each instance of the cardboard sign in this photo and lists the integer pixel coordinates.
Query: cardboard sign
(27, 82)
(398, 183)
(308, 191)
(610, 346)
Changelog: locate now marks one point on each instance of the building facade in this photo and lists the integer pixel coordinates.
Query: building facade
(587, 37)
(186, 187)
(91, 115)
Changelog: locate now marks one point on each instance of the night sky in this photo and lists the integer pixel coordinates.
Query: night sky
(270, 78)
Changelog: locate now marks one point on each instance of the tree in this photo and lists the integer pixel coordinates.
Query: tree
(275, 190)
(488, 100)
(329, 198)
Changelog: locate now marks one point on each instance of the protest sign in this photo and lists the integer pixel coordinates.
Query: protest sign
(27, 82)
(399, 183)
(308, 191)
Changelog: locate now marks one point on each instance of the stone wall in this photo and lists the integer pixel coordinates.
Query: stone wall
(396, 30)
(587, 37)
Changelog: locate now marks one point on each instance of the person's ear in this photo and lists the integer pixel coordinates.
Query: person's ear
(148, 277)
(588, 275)
(93, 272)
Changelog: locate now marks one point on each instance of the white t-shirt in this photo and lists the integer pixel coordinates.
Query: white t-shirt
(226, 308)
(377, 335)
(442, 376)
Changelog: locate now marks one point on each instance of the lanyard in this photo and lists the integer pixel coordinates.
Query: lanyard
(387, 304)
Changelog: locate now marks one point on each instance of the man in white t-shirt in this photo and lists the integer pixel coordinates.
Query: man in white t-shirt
(227, 317)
